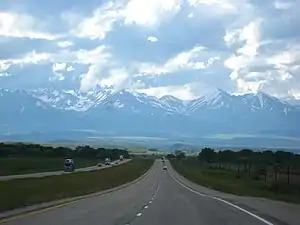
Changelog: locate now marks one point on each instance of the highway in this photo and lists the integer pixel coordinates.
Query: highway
(54, 173)
(156, 199)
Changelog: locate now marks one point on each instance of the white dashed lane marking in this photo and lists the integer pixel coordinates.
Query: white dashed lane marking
(146, 206)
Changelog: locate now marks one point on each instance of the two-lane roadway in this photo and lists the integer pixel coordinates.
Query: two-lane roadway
(157, 199)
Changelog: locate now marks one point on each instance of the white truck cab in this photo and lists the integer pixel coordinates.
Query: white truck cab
(107, 161)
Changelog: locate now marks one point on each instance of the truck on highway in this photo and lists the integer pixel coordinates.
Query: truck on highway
(107, 161)
(121, 157)
(69, 165)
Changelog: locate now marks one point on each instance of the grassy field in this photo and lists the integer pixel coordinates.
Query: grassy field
(226, 181)
(9, 165)
(23, 192)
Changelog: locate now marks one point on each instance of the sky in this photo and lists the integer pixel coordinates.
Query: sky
(183, 48)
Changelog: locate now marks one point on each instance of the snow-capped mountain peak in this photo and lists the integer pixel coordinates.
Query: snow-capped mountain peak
(76, 100)
(170, 98)
(213, 100)
(262, 102)
(110, 111)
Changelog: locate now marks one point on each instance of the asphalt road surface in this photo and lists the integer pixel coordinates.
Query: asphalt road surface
(54, 173)
(157, 199)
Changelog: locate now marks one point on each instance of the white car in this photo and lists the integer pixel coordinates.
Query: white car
(165, 168)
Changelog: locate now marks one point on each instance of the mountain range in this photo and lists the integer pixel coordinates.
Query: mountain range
(104, 112)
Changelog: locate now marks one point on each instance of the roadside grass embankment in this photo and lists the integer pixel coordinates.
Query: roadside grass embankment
(24, 192)
(19, 158)
(227, 181)
(23, 165)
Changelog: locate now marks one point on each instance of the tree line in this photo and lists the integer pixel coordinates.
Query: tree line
(267, 157)
(37, 150)
(269, 165)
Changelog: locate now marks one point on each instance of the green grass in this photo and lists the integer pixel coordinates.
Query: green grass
(24, 192)
(9, 166)
(226, 181)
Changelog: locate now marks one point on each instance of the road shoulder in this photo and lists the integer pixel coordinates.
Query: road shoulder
(277, 212)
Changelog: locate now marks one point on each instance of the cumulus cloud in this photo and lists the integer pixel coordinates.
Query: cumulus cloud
(150, 13)
(70, 68)
(182, 92)
(57, 77)
(244, 56)
(116, 78)
(196, 58)
(59, 71)
(59, 67)
(187, 91)
(138, 12)
(99, 60)
(152, 39)
(225, 4)
(65, 44)
(240, 46)
(4, 66)
(28, 58)
(22, 25)
(101, 22)
(5, 74)
(253, 70)
(96, 59)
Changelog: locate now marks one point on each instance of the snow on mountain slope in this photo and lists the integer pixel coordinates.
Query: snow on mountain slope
(174, 103)
(57, 98)
(74, 100)
(221, 100)
(132, 102)
(70, 99)
(130, 112)
(216, 100)
(262, 102)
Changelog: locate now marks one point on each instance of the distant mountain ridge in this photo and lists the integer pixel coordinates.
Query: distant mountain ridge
(81, 101)
(130, 113)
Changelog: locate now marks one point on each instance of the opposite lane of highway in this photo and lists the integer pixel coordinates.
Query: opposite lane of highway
(156, 199)
(54, 173)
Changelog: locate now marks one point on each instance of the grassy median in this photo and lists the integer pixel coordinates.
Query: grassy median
(24, 192)
(21, 165)
(227, 181)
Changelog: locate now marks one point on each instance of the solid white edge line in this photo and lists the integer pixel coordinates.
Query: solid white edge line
(245, 211)
(221, 200)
